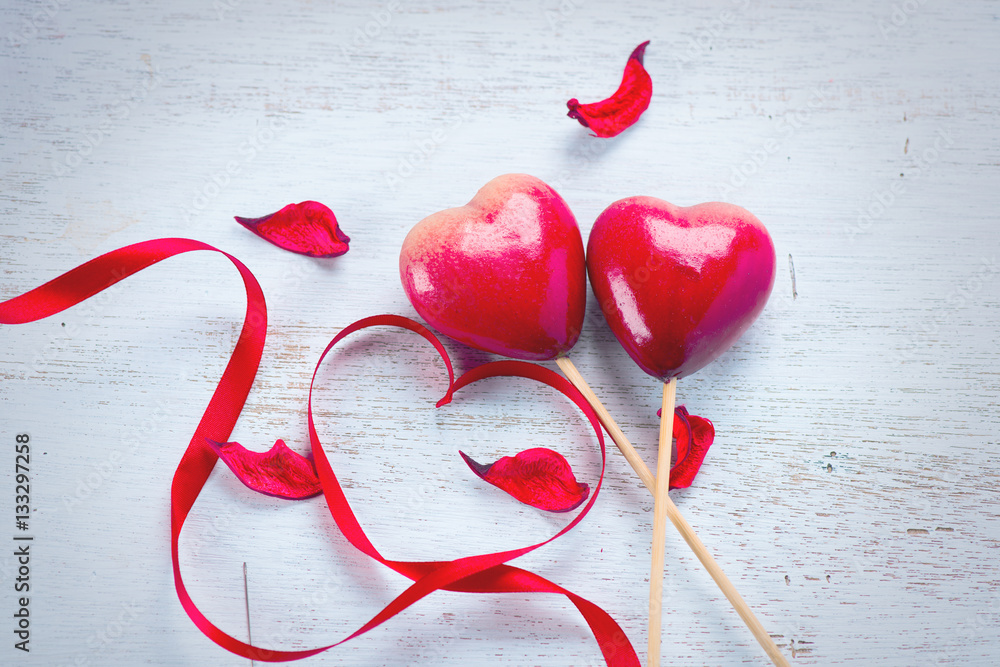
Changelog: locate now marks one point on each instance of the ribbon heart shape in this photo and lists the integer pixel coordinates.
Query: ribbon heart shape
(485, 573)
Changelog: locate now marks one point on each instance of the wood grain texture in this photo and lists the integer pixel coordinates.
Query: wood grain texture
(851, 493)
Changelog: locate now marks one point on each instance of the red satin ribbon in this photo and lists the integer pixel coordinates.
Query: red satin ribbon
(486, 573)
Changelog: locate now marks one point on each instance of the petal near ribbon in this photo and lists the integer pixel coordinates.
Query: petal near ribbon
(693, 435)
(539, 477)
(308, 228)
(278, 472)
(486, 573)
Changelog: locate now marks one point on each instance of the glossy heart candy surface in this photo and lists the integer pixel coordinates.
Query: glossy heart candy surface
(505, 273)
(678, 286)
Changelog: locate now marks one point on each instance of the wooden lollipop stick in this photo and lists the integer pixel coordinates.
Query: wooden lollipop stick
(680, 523)
(624, 446)
(660, 500)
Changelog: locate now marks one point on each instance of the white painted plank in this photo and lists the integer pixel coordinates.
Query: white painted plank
(851, 492)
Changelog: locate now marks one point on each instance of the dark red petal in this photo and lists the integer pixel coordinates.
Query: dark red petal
(702, 434)
(609, 117)
(538, 477)
(279, 472)
(694, 436)
(308, 228)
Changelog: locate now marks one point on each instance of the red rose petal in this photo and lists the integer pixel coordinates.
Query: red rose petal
(484, 573)
(694, 436)
(308, 228)
(278, 472)
(609, 117)
(538, 477)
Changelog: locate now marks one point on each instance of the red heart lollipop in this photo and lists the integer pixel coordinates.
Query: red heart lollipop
(678, 285)
(505, 273)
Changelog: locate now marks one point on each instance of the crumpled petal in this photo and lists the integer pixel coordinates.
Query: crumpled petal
(278, 472)
(694, 436)
(478, 574)
(610, 117)
(538, 477)
(308, 228)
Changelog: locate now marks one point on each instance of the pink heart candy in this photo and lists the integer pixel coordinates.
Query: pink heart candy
(679, 286)
(505, 273)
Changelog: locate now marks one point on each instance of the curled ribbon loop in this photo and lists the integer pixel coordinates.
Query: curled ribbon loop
(486, 573)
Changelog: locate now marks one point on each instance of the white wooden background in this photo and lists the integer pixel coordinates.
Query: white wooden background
(852, 491)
